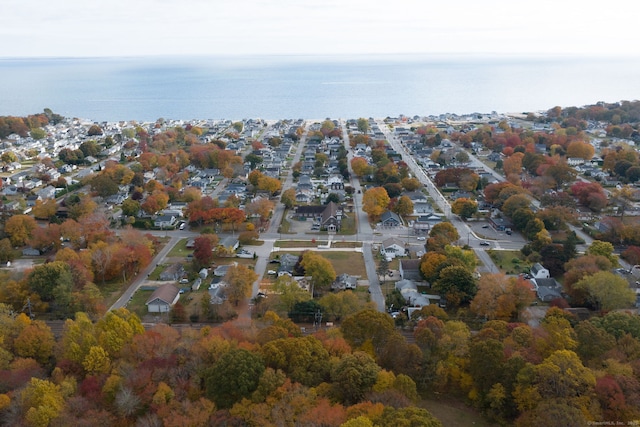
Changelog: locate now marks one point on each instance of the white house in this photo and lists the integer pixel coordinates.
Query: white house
(163, 298)
(392, 248)
(539, 272)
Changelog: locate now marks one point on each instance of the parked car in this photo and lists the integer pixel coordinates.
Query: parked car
(272, 272)
(421, 238)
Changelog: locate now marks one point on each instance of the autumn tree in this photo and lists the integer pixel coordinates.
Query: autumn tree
(320, 269)
(288, 198)
(441, 235)
(464, 207)
(240, 282)
(45, 209)
(501, 297)
(267, 183)
(404, 206)
(303, 359)
(375, 202)
(607, 291)
(410, 184)
(260, 207)
(580, 149)
(19, 228)
(604, 249)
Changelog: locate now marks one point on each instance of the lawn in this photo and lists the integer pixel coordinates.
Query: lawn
(344, 262)
(311, 244)
(180, 249)
(509, 262)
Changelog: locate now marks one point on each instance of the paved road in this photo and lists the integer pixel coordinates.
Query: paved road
(142, 276)
(465, 232)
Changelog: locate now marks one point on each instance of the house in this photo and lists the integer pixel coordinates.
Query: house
(30, 252)
(163, 298)
(173, 272)
(344, 282)
(390, 219)
(547, 289)
(221, 270)
(331, 219)
(409, 291)
(230, 243)
(539, 272)
(165, 221)
(392, 248)
(410, 269)
(287, 263)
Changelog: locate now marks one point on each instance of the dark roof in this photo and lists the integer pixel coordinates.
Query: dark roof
(410, 264)
(311, 209)
(331, 210)
(388, 215)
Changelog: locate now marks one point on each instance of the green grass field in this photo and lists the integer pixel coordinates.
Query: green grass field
(510, 262)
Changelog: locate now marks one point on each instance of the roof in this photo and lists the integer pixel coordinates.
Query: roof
(410, 264)
(392, 241)
(331, 211)
(165, 293)
(537, 267)
(388, 215)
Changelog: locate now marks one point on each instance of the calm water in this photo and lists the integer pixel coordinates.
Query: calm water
(292, 87)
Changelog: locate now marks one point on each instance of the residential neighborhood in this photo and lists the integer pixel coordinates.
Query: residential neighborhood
(484, 221)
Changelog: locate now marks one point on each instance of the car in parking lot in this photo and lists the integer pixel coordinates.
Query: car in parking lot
(272, 272)
(485, 244)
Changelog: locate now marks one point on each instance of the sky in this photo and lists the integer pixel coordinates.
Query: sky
(90, 28)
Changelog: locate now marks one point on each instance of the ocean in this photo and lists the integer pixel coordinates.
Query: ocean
(268, 87)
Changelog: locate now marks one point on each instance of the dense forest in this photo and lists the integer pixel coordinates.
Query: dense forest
(563, 372)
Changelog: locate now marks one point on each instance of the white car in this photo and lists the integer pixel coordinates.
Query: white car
(421, 238)
(272, 272)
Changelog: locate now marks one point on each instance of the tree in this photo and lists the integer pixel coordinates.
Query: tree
(410, 184)
(44, 279)
(360, 166)
(103, 185)
(501, 297)
(375, 202)
(289, 292)
(267, 183)
(368, 329)
(235, 376)
(6, 251)
(353, 376)
(240, 282)
(320, 269)
(35, 341)
(260, 207)
(94, 130)
(130, 207)
(515, 202)
(303, 359)
(38, 134)
(604, 249)
(464, 207)
(383, 267)
(580, 149)
(45, 209)
(607, 291)
(19, 228)
(456, 284)
(42, 402)
(288, 198)
(404, 206)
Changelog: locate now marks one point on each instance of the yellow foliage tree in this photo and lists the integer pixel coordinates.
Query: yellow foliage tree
(375, 201)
